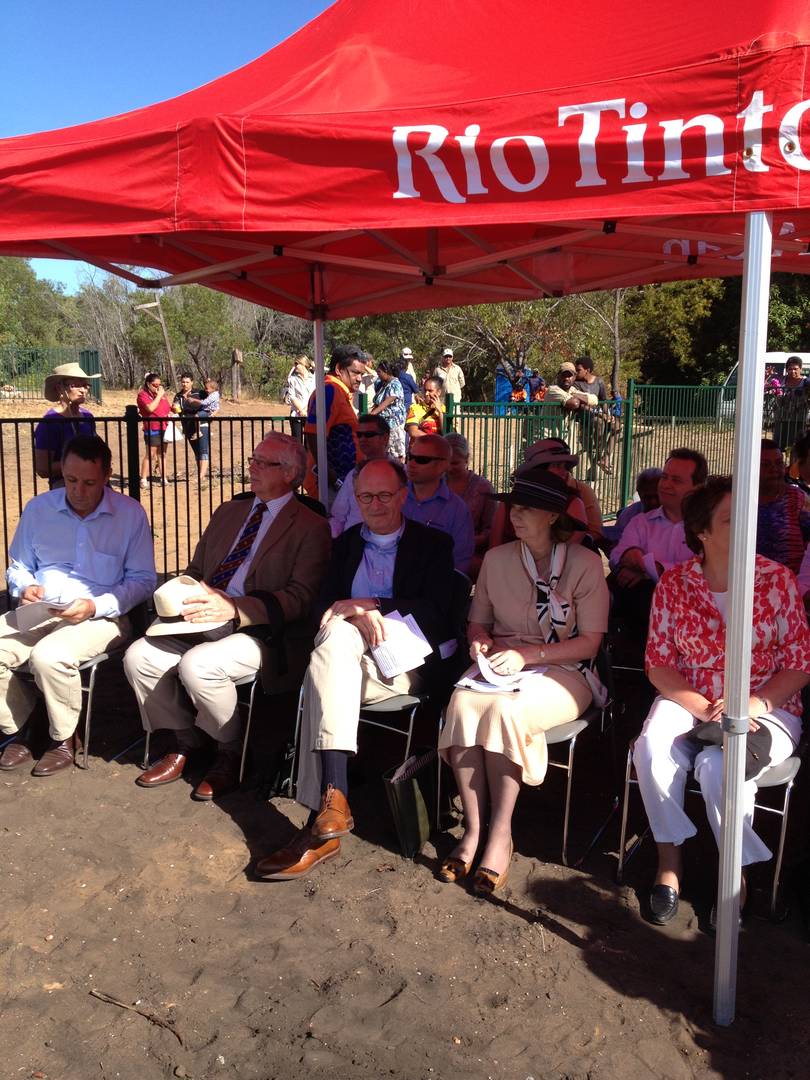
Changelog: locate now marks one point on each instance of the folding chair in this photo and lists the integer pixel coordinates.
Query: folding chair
(781, 775)
(568, 734)
(92, 665)
(253, 682)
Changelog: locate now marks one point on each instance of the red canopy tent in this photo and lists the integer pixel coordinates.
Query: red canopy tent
(403, 156)
(413, 155)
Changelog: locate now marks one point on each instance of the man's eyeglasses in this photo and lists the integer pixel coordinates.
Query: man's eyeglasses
(423, 459)
(260, 463)
(368, 497)
(369, 434)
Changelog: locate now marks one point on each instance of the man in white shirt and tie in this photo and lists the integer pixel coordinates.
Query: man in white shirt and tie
(259, 564)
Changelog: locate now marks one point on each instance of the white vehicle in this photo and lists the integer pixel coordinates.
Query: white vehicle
(774, 360)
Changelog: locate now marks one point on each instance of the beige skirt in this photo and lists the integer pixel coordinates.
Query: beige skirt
(515, 724)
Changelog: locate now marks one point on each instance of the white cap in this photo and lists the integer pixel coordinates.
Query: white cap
(447, 352)
(406, 354)
(169, 601)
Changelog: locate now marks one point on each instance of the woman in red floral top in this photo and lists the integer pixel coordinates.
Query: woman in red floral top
(685, 662)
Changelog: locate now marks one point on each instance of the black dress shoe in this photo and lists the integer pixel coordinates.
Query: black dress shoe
(663, 904)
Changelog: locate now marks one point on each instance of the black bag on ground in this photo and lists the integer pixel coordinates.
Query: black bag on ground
(757, 745)
(411, 791)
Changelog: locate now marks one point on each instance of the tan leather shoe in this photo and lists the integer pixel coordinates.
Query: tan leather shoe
(58, 756)
(221, 779)
(301, 855)
(334, 818)
(17, 753)
(165, 771)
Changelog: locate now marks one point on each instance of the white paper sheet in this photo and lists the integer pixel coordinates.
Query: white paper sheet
(30, 616)
(405, 647)
(486, 681)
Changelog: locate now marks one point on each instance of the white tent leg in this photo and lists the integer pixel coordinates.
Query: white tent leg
(320, 411)
(747, 435)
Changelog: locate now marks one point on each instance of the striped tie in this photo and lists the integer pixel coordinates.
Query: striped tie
(239, 552)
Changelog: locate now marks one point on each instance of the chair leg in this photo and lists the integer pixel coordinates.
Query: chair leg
(91, 685)
(777, 870)
(625, 806)
(570, 772)
(145, 762)
(410, 733)
(439, 776)
(298, 718)
(253, 686)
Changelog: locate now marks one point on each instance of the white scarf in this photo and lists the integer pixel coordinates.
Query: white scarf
(552, 614)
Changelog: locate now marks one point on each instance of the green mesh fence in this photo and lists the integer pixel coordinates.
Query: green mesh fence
(23, 369)
(614, 443)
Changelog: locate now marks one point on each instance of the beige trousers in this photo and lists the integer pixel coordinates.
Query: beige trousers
(181, 681)
(340, 678)
(54, 652)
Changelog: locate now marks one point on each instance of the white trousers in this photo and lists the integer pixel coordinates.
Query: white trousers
(181, 682)
(663, 756)
(54, 652)
(340, 678)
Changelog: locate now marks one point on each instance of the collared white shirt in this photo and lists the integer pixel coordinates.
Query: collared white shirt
(660, 540)
(236, 586)
(107, 557)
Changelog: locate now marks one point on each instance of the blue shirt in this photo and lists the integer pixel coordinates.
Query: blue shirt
(409, 387)
(107, 557)
(375, 574)
(445, 511)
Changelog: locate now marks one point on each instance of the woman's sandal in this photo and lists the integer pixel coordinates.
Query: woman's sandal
(486, 882)
(453, 870)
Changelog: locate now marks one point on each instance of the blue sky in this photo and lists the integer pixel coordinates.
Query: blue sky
(68, 62)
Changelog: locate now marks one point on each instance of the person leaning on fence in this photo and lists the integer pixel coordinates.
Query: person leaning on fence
(426, 414)
(67, 385)
(89, 550)
(387, 564)
(685, 661)
(599, 431)
(654, 542)
(259, 565)
(541, 606)
(791, 409)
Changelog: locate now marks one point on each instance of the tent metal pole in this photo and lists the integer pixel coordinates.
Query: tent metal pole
(747, 435)
(320, 412)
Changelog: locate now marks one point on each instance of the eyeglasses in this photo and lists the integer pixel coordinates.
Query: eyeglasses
(369, 434)
(423, 459)
(368, 497)
(260, 463)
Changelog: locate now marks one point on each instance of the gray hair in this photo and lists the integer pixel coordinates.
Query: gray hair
(458, 444)
(291, 454)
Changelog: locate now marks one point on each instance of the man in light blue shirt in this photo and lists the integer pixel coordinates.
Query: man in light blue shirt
(87, 551)
(431, 502)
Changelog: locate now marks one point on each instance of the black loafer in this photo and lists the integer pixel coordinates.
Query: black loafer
(663, 904)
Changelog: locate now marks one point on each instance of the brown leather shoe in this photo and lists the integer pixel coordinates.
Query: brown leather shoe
(165, 771)
(221, 779)
(58, 756)
(301, 855)
(334, 818)
(17, 753)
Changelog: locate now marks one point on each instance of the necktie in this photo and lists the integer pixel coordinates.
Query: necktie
(239, 552)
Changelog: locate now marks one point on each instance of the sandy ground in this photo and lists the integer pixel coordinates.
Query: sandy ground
(369, 967)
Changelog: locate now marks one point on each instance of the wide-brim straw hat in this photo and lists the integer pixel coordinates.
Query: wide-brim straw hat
(59, 373)
(169, 600)
(539, 489)
(548, 452)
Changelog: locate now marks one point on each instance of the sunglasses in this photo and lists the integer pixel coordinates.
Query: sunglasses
(369, 434)
(423, 459)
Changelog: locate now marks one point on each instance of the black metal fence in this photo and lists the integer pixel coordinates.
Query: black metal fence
(178, 510)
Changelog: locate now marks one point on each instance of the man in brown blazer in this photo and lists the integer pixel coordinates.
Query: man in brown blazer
(259, 566)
